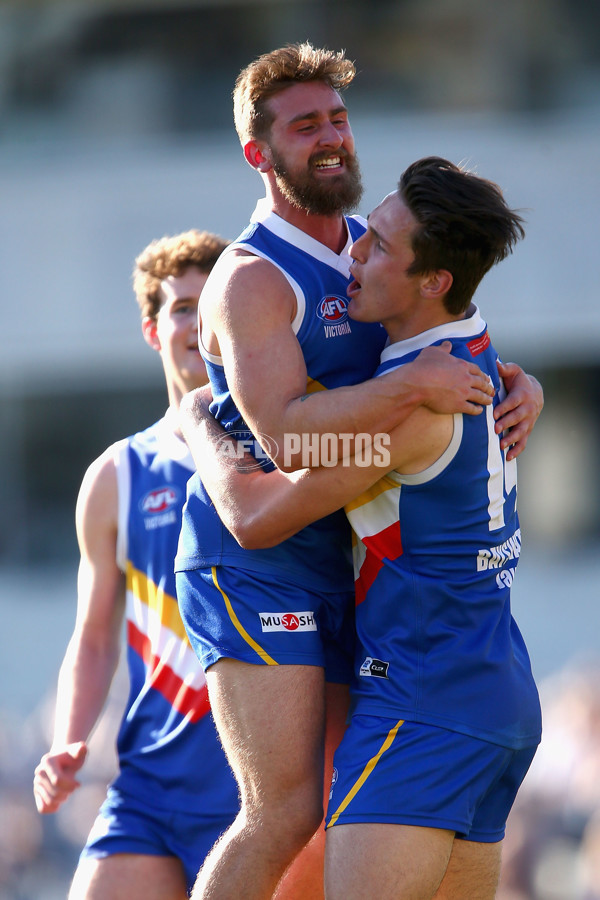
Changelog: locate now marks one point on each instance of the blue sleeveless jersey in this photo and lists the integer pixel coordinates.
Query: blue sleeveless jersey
(434, 563)
(337, 351)
(169, 752)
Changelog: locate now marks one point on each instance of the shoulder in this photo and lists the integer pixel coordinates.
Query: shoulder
(98, 493)
(241, 268)
(241, 280)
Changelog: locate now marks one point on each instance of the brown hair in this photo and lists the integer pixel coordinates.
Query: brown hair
(464, 225)
(172, 256)
(273, 72)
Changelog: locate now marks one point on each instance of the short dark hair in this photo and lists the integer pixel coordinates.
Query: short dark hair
(273, 72)
(465, 225)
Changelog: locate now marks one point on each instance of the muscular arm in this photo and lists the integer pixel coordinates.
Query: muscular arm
(247, 315)
(92, 654)
(262, 509)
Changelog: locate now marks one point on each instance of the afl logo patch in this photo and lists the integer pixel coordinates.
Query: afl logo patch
(333, 310)
(159, 500)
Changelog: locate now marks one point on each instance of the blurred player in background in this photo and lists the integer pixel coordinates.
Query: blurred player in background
(175, 793)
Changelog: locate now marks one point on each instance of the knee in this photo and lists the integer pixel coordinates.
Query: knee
(290, 818)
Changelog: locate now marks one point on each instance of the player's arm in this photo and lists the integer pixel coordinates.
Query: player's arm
(93, 651)
(518, 412)
(248, 310)
(262, 509)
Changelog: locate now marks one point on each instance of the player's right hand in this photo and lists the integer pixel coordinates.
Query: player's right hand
(54, 778)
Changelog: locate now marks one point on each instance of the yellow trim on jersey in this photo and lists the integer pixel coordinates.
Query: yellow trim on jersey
(366, 772)
(380, 487)
(163, 604)
(249, 640)
(312, 386)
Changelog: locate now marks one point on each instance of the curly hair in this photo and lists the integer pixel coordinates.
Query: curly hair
(172, 255)
(273, 72)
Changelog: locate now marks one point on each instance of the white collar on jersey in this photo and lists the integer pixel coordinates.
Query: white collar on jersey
(461, 328)
(293, 235)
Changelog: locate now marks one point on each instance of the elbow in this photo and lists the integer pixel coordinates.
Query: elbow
(250, 541)
(253, 534)
(254, 540)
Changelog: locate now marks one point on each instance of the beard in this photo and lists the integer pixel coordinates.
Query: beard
(339, 195)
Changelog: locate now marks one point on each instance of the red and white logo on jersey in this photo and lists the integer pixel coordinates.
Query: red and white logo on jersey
(290, 621)
(333, 309)
(159, 500)
(478, 345)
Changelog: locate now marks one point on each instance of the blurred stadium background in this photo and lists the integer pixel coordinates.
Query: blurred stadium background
(116, 128)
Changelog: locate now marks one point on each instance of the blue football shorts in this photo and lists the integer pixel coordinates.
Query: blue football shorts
(126, 825)
(240, 614)
(406, 773)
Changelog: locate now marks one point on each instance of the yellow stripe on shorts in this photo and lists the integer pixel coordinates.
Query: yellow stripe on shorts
(249, 640)
(366, 772)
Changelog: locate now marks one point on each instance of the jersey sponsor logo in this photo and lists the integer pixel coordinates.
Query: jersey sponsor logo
(159, 500)
(505, 578)
(497, 557)
(478, 345)
(291, 621)
(374, 668)
(333, 309)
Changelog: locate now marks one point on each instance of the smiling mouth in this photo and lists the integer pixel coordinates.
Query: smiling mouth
(332, 162)
(325, 163)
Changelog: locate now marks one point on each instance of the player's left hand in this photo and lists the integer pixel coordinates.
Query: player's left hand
(517, 414)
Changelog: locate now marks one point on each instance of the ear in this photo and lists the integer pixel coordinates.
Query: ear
(436, 284)
(150, 332)
(258, 155)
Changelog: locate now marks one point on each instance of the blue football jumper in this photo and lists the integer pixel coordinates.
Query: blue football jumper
(168, 747)
(435, 559)
(338, 351)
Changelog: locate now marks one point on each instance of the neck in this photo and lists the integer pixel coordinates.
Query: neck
(402, 331)
(328, 230)
(175, 394)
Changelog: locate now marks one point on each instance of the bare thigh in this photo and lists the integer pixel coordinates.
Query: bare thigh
(390, 862)
(304, 878)
(271, 721)
(127, 876)
(473, 871)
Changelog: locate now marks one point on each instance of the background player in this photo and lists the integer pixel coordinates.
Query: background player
(175, 792)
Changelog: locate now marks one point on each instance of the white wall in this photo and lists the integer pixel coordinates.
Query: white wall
(73, 217)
